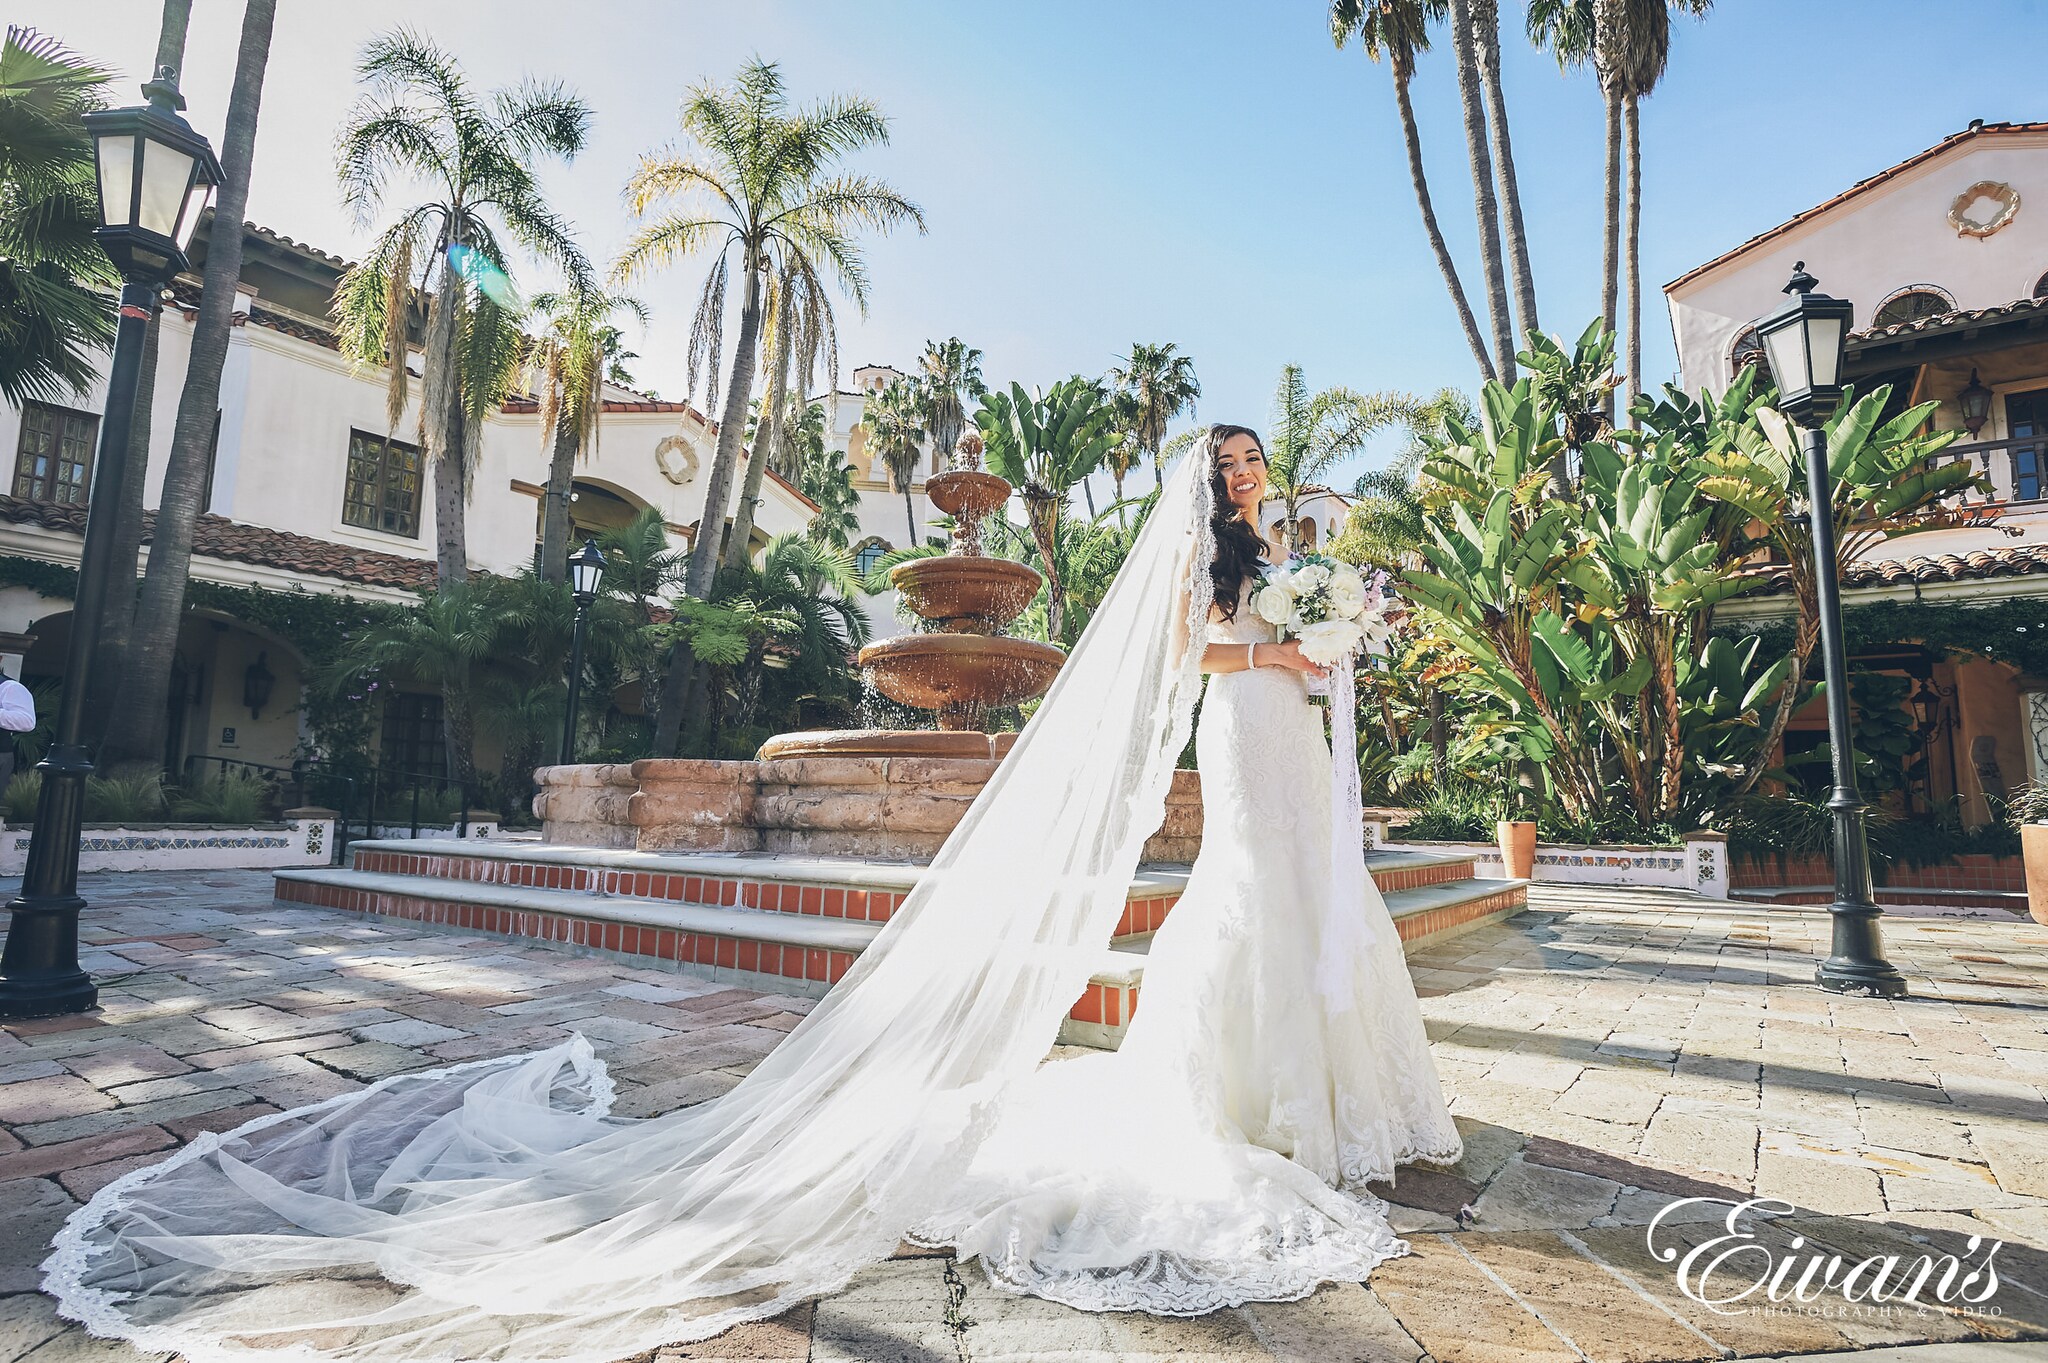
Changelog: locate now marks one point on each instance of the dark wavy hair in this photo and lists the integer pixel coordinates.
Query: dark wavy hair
(1240, 550)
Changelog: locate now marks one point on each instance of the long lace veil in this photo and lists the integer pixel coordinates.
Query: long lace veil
(494, 1210)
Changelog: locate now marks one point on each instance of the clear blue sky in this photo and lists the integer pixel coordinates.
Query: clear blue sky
(1210, 172)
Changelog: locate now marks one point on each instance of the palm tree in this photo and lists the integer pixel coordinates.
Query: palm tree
(827, 479)
(1160, 384)
(1398, 30)
(439, 643)
(135, 729)
(895, 422)
(1577, 32)
(1485, 202)
(1311, 432)
(419, 119)
(1628, 43)
(803, 439)
(1387, 519)
(54, 278)
(949, 374)
(801, 330)
(1645, 48)
(1486, 49)
(764, 190)
(568, 367)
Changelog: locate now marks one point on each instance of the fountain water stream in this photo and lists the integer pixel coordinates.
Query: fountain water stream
(964, 663)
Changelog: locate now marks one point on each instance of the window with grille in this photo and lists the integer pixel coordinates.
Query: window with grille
(868, 555)
(414, 740)
(54, 460)
(383, 485)
(1911, 306)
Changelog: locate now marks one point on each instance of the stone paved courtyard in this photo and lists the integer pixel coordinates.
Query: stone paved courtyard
(1609, 1052)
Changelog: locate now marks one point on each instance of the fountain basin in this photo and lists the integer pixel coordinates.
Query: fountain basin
(965, 595)
(958, 674)
(884, 743)
(967, 492)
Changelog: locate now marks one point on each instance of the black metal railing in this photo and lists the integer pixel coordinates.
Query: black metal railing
(2017, 467)
(365, 799)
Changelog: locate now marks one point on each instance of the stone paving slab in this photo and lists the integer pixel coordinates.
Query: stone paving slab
(1608, 1054)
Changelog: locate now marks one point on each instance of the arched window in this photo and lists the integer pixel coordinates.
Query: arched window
(2041, 287)
(1307, 530)
(868, 554)
(1910, 305)
(1748, 351)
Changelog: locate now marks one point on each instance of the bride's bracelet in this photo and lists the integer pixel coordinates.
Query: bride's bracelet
(1251, 657)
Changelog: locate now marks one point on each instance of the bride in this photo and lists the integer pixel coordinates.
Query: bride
(1278, 1065)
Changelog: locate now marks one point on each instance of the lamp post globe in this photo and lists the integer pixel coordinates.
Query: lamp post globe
(586, 571)
(1805, 341)
(154, 175)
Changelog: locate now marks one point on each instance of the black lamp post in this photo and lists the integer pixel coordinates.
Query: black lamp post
(155, 174)
(586, 569)
(1804, 341)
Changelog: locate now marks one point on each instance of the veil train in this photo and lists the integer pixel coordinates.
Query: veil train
(495, 1211)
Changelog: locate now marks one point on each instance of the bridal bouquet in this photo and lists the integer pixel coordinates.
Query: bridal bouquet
(1327, 604)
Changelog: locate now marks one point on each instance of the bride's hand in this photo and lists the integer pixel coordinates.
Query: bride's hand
(1288, 654)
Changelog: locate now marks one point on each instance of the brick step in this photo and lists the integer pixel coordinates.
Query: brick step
(805, 948)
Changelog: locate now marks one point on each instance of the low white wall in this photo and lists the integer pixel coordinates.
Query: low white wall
(481, 825)
(304, 841)
(1700, 863)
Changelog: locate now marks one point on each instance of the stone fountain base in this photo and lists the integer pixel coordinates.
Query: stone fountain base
(886, 808)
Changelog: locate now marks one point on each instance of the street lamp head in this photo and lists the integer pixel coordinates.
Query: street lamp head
(586, 570)
(1804, 341)
(155, 175)
(1975, 400)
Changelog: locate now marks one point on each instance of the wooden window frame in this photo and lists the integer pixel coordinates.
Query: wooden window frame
(368, 504)
(25, 485)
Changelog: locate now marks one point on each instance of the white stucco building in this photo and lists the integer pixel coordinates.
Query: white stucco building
(309, 492)
(1945, 258)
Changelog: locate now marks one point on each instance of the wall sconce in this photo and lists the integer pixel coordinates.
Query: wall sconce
(1975, 401)
(257, 684)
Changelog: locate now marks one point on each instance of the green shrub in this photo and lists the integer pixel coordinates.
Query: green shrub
(124, 799)
(19, 803)
(230, 798)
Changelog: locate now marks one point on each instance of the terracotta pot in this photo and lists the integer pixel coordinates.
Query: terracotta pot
(1517, 848)
(2034, 849)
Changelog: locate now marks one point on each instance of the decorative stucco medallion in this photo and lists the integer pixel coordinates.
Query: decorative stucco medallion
(1984, 208)
(676, 459)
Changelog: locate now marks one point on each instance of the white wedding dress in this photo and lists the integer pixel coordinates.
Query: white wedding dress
(1277, 1063)
(1221, 1155)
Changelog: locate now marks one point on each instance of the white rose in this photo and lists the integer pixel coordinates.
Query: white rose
(1273, 603)
(1328, 641)
(1307, 578)
(1347, 593)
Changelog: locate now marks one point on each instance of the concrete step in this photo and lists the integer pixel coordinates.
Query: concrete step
(795, 931)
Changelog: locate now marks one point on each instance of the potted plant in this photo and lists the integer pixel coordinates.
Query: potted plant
(1515, 833)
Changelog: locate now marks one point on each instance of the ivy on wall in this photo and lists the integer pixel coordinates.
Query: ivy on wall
(2010, 630)
(317, 625)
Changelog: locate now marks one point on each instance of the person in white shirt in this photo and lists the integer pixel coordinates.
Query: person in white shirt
(17, 717)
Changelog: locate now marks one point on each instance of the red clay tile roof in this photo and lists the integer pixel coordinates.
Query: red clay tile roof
(217, 537)
(1861, 186)
(2019, 560)
(1944, 321)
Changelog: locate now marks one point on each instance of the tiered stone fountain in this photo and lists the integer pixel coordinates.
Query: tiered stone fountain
(963, 664)
(882, 794)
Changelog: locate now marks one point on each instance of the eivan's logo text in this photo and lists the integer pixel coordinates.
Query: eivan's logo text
(1736, 1271)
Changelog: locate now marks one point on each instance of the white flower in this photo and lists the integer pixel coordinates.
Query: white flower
(1307, 578)
(1328, 641)
(1273, 603)
(1347, 593)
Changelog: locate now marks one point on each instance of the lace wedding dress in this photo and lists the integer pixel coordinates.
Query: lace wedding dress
(1221, 1155)
(496, 1211)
